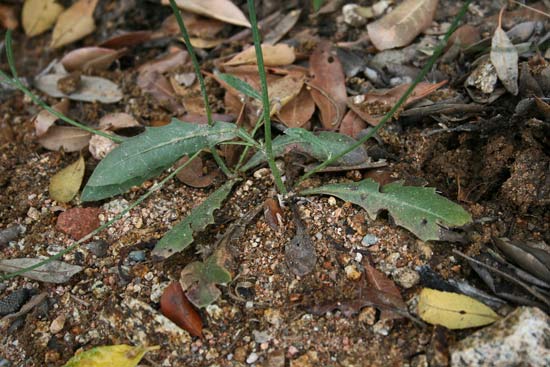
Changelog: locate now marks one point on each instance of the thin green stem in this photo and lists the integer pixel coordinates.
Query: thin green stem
(196, 66)
(103, 226)
(15, 82)
(265, 99)
(401, 100)
(257, 125)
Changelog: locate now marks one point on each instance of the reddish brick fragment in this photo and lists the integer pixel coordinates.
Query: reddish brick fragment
(78, 222)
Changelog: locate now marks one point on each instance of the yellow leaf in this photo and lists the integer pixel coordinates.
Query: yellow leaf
(110, 355)
(453, 310)
(74, 23)
(39, 15)
(64, 184)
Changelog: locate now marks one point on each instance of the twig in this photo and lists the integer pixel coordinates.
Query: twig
(531, 8)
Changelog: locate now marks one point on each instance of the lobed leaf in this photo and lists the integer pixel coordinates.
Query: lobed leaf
(419, 209)
(146, 155)
(181, 235)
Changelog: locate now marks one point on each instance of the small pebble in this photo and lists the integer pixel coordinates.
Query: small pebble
(10, 234)
(369, 240)
(57, 324)
(252, 357)
(98, 248)
(352, 273)
(406, 277)
(137, 256)
(351, 16)
(332, 201)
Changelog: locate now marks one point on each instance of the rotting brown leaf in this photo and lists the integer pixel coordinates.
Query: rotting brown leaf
(403, 24)
(328, 85)
(117, 120)
(196, 25)
(352, 124)
(175, 306)
(74, 23)
(91, 58)
(274, 55)
(223, 10)
(385, 285)
(68, 138)
(504, 58)
(282, 91)
(39, 15)
(160, 88)
(273, 214)
(128, 39)
(298, 111)
(44, 120)
(193, 175)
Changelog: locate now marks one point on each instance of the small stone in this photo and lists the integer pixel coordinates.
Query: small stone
(419, 361)
(351, 17)
(252, 357)
(10, 234)
(383, 327)
(98, 248)
(136, 256)
(292, 350)
(369, 240)
(273, 317)
(261, 336)
(309, 359)
(352, 273)
(276, 359)
(33, 213)
(78, 222)
(262, 172)
(240, 354)
(406, 277)
(332, 201)
(368, 315)
(520, 339)
(57, 324)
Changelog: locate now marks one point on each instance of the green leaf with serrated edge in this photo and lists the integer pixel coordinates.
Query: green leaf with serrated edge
(154, 150)
(199, 280)
(321, 147)
(240, 85)
(181, 235)
(419, 209)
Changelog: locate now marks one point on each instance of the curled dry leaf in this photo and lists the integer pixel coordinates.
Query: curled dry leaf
(403, 24)
(39, 15)
(64, 185)
(534, 260)
(128, 39)
(373, 105)
(388, 289)
(175, 306)
(274, 55)
(8, 18)
(223, 10)
(298, 111)
(504, 58)
(174, 58)
(90, 88)
(282, 27)
(282, 91)
(74, 23)
(52, 272)
(273, 214)
(160, 88)
(196, 25)
(91, 58)
(193, 174)
(110, 355)
(328, 85)
(68, 138)
(44, 120)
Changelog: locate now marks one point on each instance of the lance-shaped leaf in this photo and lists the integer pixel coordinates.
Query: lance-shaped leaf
(240, 85)
(144, 156)
(52, 272)
(418, 209)
(181, 235)
(64, 184)
(110, 355)
(320, 147)
(504, 58)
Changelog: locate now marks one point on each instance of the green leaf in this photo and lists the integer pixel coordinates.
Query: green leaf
(199, 280)
(419, 209)
(240, 85)
(181, 235)
(146, 155)
(321, 147)
(317, 5)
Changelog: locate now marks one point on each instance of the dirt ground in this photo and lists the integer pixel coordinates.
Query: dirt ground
(498, 170)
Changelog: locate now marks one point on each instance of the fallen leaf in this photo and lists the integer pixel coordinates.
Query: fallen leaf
(352, 125)
(453, 310)
(504, 58)
(273, 214)
(39, 15)
(160, 88)
(8, 18)
(403, 24)
(78, 222)
(91, 58)
(110, 355)
(372, 106)
(282, 27)
(282, 91)
(223, 10)
(300, 253)
(68, 138)
(329, 87)
(193, 174)
(298, 111)
(117, 120)
(175, 306)
(172, 60)
(44, 120)
(535, 261)
(64, 185)
(74, 23)
(383, 284)
(90, 88)
(197, 26)
(199, 280)
(52, 272)
(274, 55)
(128, 39)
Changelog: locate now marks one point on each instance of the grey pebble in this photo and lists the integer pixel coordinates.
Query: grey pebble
(10, 234)
(369, 240)
(136, 256)
(14, 301)
(98, 248)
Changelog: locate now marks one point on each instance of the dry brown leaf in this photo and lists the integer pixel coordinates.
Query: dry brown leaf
(282, 27)
(504, 58)
(298, 111)
(71, 139)
(197, 26)
(44, 120)
(64, 185)
(273, 215)
(403, 24)
(175, 306)
(223, 10)
(39, 15)
(168, 62)
(384, 285)
(117, 120)
(8, 18)
(160, 88)
(373, 105)
(89, 89)
(193, 175)
(329, 85)
(74, 23)
(352, 125)
(282, 91)
(128, 39)
(274, 55)
(91, 58)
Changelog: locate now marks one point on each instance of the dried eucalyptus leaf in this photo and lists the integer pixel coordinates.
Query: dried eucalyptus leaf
(53, 272)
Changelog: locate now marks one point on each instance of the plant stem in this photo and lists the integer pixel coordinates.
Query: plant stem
(401, 100)
(196, 66)
(257, 125)
(15, 82)
(265, 99)
(103, 226)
